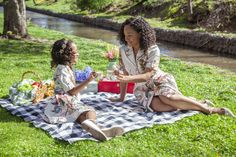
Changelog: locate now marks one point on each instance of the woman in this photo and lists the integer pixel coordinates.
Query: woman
(154, 89)
(66, 105)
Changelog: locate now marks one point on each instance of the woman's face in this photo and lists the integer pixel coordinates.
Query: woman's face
(131, 36)
(75, 54)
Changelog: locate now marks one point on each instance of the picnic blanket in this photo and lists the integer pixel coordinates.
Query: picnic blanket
(128, 114)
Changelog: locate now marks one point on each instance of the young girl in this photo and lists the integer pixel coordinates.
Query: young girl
(66, 105)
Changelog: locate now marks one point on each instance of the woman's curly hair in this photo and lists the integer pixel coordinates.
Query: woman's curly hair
(147, 33)
(61, 52)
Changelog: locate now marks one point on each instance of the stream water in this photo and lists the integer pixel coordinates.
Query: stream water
(173, 50)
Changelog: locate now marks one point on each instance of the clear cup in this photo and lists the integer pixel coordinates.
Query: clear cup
(99, 75)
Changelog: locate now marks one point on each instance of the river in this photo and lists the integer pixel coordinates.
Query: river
(173, 50)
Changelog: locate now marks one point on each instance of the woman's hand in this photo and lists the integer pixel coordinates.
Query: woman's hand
(124, 78)
(134, 78)
(114, 99)
(116, 72)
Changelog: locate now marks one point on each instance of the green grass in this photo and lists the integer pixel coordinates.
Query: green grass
(199, 135)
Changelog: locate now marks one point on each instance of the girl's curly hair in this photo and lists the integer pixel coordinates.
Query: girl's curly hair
(147, 33)
(61, 52)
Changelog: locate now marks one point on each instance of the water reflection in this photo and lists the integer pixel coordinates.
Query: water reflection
(194, 55)
(71, 27)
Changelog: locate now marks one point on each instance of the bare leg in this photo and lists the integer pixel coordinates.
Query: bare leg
(87, 121)
(182, 102)
(86, 115)
(159, 106)
(174, 102)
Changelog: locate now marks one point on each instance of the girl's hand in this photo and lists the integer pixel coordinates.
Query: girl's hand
(92, 76)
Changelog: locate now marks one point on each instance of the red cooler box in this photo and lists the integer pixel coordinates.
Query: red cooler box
(113, 86)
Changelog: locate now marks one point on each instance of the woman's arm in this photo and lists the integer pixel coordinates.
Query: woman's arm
(123, 88)
(136, 78)
(150, 68)
(123, 85)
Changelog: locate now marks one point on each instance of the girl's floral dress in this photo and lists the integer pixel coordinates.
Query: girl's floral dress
(160, 83)
(62, 107)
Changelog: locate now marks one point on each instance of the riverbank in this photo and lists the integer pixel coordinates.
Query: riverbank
(199, 135)
(219, 44)
(215, 43)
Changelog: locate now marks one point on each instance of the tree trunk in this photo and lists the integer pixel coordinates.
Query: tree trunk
(15, 18)
(190, 10)
(35, 3)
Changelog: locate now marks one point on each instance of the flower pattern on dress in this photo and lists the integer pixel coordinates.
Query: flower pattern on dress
(64, 107)
(142, 63)
(128, 53)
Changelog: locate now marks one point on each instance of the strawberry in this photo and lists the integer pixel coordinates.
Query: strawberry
(36, 84)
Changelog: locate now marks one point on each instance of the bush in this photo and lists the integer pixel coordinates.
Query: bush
(93, 5)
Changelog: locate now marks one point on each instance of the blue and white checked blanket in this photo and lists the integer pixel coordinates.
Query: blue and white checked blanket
(129, 115)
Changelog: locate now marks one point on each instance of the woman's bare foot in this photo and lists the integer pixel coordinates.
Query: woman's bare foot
(221, 111)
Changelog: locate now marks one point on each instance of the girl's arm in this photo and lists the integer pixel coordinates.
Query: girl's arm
(78, 88)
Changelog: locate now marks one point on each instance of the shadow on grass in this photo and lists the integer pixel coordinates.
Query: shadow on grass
(6, 116)
(182, 23)
(22, 47)
(106, 17)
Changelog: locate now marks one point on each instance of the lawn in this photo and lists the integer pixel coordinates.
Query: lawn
(199, 135)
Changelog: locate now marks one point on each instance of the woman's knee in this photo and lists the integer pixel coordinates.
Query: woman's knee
(171, 98)
(154, 103)
(153, 106)
(159, 106)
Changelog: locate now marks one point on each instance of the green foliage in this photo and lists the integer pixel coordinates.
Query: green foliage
(94, 5)
(158, 2)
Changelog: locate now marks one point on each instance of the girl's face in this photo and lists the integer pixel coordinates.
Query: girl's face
(131, 36)
(75, 54)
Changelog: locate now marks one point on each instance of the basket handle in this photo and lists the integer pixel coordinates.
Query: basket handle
(30, 72)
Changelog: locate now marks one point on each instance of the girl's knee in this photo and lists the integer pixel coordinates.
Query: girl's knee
(86, 115)
(91, 115)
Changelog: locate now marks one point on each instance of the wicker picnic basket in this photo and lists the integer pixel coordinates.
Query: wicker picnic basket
(43, 89)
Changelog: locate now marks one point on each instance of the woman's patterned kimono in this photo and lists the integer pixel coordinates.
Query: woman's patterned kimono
(160, 83)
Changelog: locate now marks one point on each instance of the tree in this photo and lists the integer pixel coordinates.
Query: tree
(15, 19)
(190, 10)
(35, 2)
